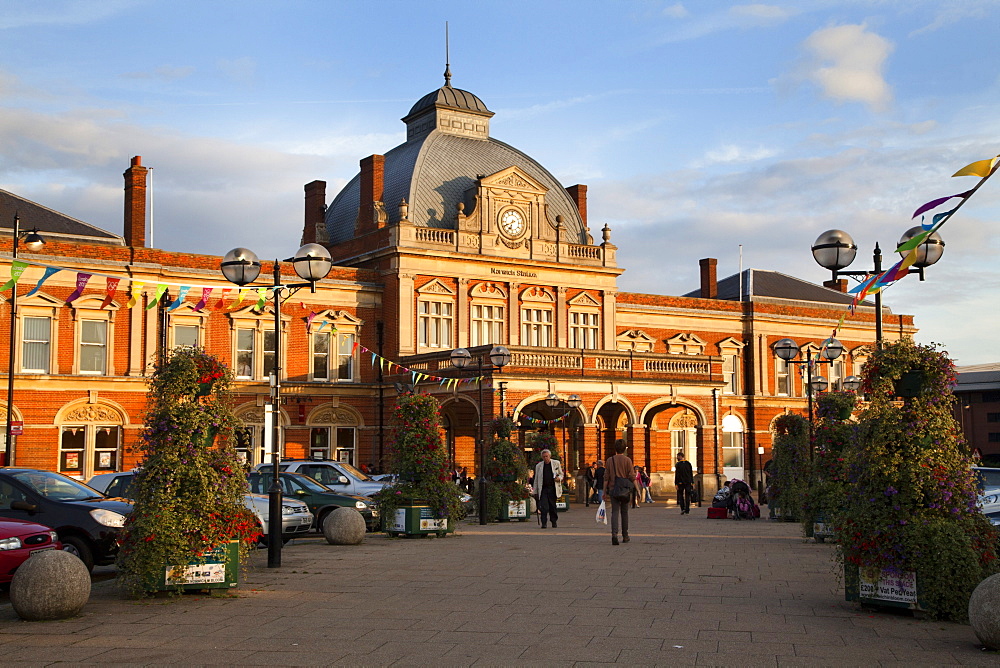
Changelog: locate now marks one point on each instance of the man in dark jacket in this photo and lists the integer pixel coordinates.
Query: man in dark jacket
(589, 478)
(599, 480)
(684, 482)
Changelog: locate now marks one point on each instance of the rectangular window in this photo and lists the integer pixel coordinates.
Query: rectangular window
(345, 445)
(434, 323)
(732, 449)
(487, 324)
(991, 397)
(993, 417)
(836, 374)
(782, 378)
(583, 329)
(994, 437)
(36, 338)
(93, 346)
(269, 347)
(730, 374)
(72, 444)
(186, 335)
(244, 353)
(106, 440)
(536, 327)
(319, 443)
(345, 357)
(321, 356)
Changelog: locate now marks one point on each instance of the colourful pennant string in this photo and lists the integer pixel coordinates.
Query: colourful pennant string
(48, 272)
(222, 299)
(980, 168)
(110, 287)
(16, 269)
(181, 294)
(160, 289)
(81, 283)
(136, 291)
(309, 320)
(205, 294)
(261, 298)
(935, 203)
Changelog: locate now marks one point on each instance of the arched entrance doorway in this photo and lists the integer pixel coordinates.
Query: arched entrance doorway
(460, 422)
(564, 422)
(612, 423)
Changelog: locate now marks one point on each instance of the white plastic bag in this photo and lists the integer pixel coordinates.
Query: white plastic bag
(602, 514)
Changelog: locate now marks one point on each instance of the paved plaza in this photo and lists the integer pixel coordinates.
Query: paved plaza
(685, 591)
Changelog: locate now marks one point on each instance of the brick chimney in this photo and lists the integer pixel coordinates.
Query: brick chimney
(371, 213)
(838, 284)
(315, 215)
(579, 195)
(135, 203)
(709, 285)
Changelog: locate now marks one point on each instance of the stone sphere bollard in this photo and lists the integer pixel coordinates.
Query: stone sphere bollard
(344, 526)
(50, 585)
(984, 611)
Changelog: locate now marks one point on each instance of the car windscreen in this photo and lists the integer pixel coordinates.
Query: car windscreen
(56, 487)
(988, 478)
(354, 472)
(311, 484)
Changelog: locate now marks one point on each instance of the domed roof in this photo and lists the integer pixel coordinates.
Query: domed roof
(436, 172)
(452, 98)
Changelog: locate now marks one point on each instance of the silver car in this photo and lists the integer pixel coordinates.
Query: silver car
(295, 516)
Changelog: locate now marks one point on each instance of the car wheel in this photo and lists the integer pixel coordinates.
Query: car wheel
(322, 520)
(79, 548)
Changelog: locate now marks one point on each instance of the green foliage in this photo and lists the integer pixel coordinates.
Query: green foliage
(418, 455)
(503, 427)
(910, 502)
(827, 473)
(790, 462)
(188, 495)
(507, 471)
(538, 441)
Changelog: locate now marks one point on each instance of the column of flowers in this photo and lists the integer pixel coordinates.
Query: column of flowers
(188, 493)
(506, 470)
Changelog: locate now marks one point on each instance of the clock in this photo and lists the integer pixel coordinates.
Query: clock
(512, 222)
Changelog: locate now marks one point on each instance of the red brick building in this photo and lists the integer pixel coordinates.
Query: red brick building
(451, 240)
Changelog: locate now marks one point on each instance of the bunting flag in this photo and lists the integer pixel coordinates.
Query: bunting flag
(81, 283)
(16, 269)
(181, 294)
(205, 294)
(935, 203)
(239, 296)
(322, 325)
(136, 291)
(309, 320)
(48, 272)
(110, 288)
(261, 298)
(416, 376)
(531, 420)
(160, 289)
(980, 168)
(222, 300)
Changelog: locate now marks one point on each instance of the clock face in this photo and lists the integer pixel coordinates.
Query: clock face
(511, 222)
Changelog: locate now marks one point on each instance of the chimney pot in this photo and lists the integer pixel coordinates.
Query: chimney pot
(135, 203)
(709, 284)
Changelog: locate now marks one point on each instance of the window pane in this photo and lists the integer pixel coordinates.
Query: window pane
(268, 352)
(93, 346)
(186, 335)
(345, 354)
(244, 353)
(321, 356)
(35, 336)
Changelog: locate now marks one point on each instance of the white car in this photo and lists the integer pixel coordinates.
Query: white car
(341, 477)
(988, 480)
(295, 516)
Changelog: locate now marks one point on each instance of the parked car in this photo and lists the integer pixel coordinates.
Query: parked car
(321, 499)
(988, 480)
(86, 521)
(296, 518)
(338, 476)
(19, 540)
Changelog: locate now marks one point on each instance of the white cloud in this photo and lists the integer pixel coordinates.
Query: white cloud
(676, 11)
(731, 153)
(847, 63)
(163, 72)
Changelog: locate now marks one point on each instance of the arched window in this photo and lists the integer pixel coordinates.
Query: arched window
(90, 439)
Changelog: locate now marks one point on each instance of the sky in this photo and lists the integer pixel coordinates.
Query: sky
(702, 128)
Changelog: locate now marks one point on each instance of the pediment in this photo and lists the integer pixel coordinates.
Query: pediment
(435, 287)
(584, 299)
(729, 343)
(338, 318)
(488, 290)
(537, 294)
(685, 343)
(635, 335)
(513, 178)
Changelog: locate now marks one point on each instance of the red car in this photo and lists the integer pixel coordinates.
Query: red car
(19, 539)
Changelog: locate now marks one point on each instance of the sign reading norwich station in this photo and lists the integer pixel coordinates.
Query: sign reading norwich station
(520, 273)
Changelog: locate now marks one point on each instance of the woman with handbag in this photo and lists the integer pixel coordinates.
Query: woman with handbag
(618, 488)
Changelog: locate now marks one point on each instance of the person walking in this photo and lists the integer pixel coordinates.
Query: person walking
(588, 476)
(684, 482)
(599, 476)
(547, 486)
(646, 485)
(637, 487)
(618, 466)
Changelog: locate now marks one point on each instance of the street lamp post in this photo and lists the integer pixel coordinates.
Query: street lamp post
(835, 249)
(312, 262)
(33, 242)
(830, 350)
(460, 358)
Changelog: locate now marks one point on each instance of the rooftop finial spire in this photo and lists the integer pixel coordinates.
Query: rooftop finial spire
(447, 58)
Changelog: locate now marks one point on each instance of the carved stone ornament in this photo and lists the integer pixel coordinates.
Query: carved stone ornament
(684, 420)
(254, 415)
(514, 180)
(93, 414)
(334, 416)
(508, 243)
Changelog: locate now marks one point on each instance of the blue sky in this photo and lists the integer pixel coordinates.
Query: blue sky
(698, 126)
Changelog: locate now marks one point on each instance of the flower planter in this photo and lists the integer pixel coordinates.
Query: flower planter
(822, 530)
(416, 520)
(514, 511)
(219, 571)
(893, 591)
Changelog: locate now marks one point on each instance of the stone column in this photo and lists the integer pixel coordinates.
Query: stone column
(462, 317)
(514, 315)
